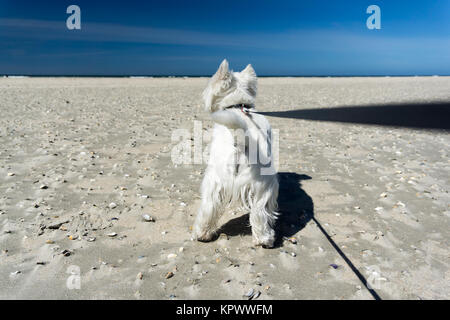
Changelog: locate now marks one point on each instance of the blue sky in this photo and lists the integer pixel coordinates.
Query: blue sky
(192, 37)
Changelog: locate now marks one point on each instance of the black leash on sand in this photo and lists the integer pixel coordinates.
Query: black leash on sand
(347, 260)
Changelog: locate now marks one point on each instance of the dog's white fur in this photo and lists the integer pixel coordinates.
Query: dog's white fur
(230, 177)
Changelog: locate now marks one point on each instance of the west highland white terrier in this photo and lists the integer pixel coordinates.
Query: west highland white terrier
(235, 176)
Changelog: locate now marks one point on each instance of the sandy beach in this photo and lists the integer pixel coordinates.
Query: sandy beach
(83, 159)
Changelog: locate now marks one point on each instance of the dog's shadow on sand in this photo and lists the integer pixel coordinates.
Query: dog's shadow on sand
(295, 206)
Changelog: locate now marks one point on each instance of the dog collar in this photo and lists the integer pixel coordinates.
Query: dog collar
(240, 106)
(245, 108)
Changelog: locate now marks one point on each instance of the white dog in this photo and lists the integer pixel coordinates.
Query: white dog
(234, 176)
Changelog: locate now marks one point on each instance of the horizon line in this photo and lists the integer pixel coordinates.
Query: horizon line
(209, 75)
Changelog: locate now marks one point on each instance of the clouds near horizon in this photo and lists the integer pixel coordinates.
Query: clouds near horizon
(39, 45)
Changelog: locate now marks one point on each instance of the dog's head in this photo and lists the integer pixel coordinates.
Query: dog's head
(227, 88)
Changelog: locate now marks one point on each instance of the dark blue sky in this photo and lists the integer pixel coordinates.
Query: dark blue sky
(192, 37)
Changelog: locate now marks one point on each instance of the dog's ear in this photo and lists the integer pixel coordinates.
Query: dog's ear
(217, 85)
(223, 73)
(249, 71)
(249, 75)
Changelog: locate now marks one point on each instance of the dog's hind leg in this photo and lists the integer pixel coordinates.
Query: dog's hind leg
(262, 222)
(263, 216)
(210, 210)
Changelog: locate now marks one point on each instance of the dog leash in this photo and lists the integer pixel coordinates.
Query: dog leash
(245, 108)
(347, 261)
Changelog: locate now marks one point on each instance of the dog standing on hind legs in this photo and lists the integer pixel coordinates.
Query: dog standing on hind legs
(235, 177)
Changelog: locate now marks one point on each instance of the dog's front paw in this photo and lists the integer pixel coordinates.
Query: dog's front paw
(266, 242)
(204, 236)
